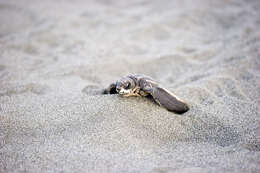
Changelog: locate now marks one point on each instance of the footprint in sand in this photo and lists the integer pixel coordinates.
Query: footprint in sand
(92, 90)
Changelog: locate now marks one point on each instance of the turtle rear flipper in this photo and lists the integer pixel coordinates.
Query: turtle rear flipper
(168, 100)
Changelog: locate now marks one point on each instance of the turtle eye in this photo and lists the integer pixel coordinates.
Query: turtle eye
(127, 86)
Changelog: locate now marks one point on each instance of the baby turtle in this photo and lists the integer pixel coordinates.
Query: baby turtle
(140, 85)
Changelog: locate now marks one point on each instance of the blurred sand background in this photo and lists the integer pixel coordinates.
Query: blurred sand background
(54, 54)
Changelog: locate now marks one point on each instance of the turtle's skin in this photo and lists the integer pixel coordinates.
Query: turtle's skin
(140, 85)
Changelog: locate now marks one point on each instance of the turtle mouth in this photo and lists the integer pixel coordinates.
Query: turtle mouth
(123, 91)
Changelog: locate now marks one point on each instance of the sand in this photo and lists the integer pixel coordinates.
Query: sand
(56, 55)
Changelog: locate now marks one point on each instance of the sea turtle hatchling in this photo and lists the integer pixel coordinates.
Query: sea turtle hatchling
(140, 85)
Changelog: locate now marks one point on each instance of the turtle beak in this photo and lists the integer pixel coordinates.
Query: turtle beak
(121, 91)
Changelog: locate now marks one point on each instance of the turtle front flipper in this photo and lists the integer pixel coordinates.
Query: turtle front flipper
(111, 89)
(168, 100)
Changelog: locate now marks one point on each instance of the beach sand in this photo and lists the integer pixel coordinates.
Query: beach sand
(56, 55)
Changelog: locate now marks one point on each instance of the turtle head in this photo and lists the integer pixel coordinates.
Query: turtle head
(125, 86)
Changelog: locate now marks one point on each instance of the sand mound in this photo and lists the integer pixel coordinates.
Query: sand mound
(56, 57)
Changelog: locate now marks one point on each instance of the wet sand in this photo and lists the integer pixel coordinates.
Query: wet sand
(55, 56)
